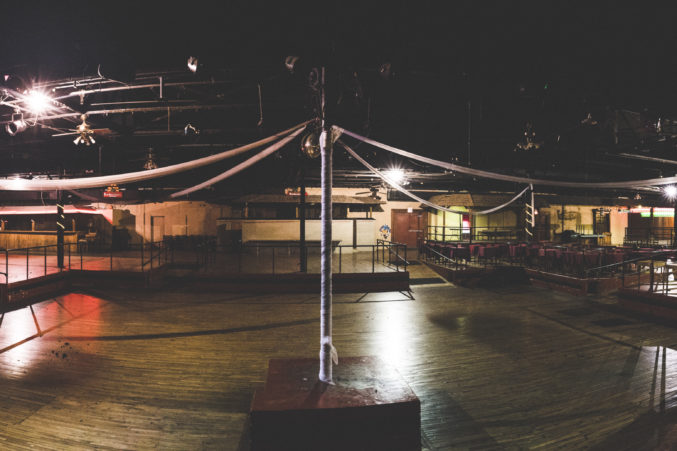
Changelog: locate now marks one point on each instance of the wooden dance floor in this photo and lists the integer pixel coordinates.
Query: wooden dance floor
(513, 368)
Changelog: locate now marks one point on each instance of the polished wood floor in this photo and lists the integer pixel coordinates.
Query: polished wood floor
(510, 368)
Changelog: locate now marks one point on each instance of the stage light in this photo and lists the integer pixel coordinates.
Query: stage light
(17, 125)
(670, 191)
(395, 174)
(37, 102)
(192, 64)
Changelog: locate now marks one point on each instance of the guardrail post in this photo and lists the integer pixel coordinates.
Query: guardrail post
(340, 258)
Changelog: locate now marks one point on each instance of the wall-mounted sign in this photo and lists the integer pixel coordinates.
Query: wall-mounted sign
(645, 212)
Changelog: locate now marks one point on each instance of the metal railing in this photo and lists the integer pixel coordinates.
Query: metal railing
(39, 261)
(649, 235)
(430, 254)
(474, 233)
(651, 272)
(285, 258)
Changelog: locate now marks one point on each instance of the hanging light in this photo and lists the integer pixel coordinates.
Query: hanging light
(310, 144)
(86, 135)
(670, 191)
(17, 125)
(150, 162)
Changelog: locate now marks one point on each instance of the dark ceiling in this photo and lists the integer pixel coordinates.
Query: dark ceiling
(592, 80)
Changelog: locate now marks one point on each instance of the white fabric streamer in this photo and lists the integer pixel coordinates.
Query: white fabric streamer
(630, 184)
(240, 167)
(423, 201)
(130, 177)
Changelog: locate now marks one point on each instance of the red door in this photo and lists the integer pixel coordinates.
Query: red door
(408, 228)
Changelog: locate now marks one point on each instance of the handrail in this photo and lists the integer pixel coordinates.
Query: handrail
(653, 254)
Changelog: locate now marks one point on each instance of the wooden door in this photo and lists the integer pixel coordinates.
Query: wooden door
(408, 228)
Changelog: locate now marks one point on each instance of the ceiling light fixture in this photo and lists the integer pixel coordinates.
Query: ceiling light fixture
(150, 162)
(37, 102)
(86, 135)
(395, 174)
(670, 191)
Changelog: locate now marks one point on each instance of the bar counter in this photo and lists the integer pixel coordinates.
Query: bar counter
(16, 239)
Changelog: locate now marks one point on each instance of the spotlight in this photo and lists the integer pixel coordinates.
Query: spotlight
(310, 145)
(670, 191)
(192, 64)
(395, 174)
(17, 125)
(37, 102)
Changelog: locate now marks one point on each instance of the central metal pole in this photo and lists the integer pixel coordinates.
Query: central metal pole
(60, 228)
(327, 351)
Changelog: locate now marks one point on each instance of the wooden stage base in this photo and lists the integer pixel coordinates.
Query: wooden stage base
(369, 407)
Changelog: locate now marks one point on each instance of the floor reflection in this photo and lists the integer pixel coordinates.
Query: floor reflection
(27, 335)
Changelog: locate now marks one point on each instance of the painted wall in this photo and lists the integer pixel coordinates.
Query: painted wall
(288, 230)
(180, 218)
(380, 218)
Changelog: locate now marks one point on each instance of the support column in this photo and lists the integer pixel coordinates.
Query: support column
(60, 227)
(674, 225)
(327, 352)
(303, 261)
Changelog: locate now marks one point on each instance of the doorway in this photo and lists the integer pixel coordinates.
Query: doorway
(408, 227)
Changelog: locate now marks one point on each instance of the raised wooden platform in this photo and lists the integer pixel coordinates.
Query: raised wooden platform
(304, 282)
(369, 407)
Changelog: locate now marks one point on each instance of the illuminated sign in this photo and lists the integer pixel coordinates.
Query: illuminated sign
(658, 212)
(113, 191)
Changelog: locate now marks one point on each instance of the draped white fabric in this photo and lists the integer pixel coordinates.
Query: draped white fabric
(415, 197)
(130, 177)
(630, 184)
(240, 167)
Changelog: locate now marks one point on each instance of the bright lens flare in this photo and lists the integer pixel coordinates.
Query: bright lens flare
(670, 191)
(395, 174)
(37, 102)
